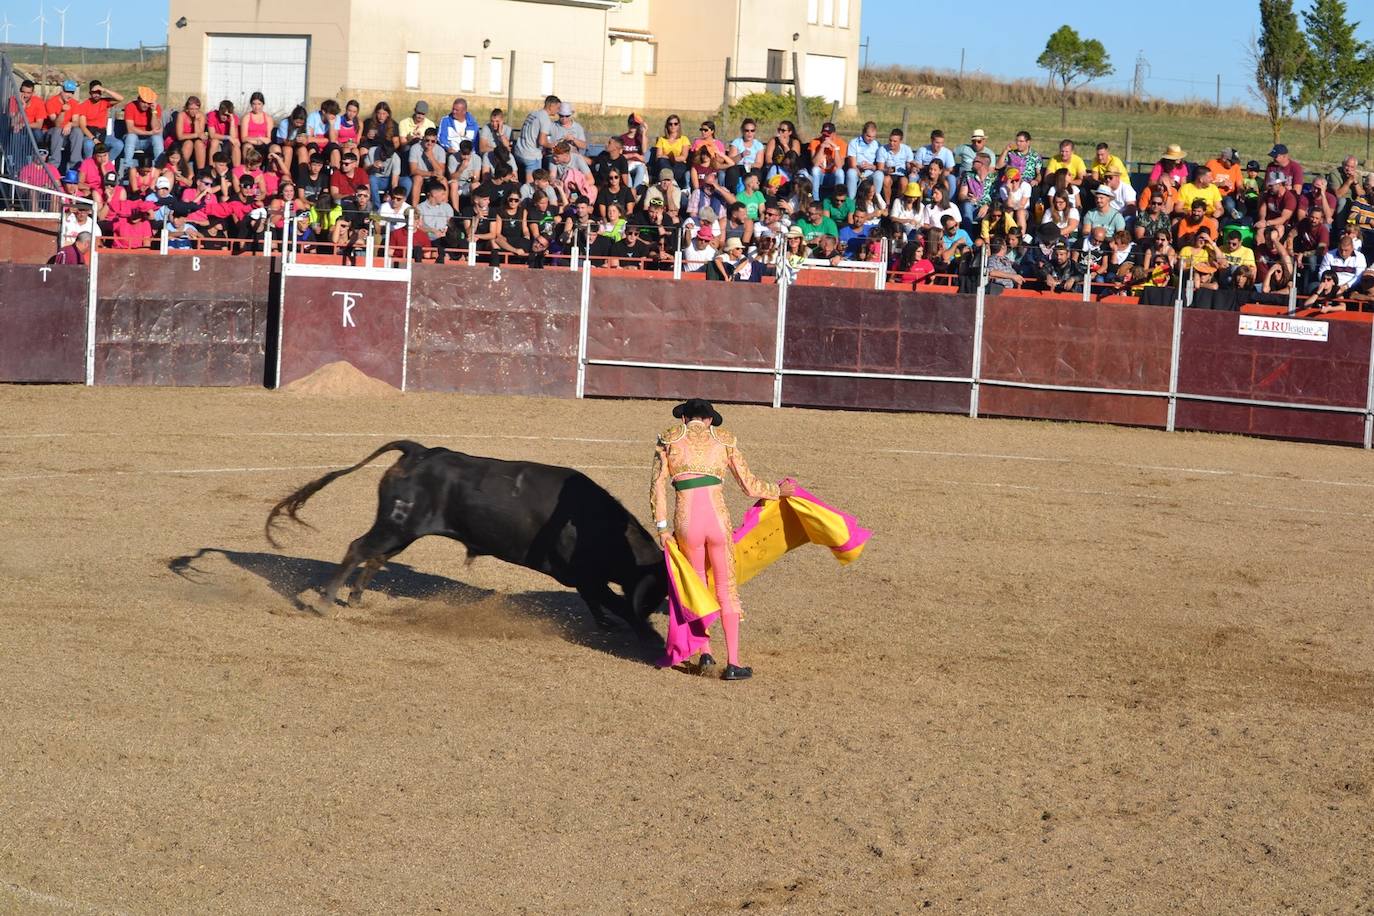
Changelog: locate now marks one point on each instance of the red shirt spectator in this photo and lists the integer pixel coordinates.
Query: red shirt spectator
(41, 174)
(144, 119)
(35, 108)
(1283, 164)
(72, 254)
(92, 172)
(348, 179)
(62, 108)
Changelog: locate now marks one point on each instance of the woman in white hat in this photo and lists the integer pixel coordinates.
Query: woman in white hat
(1172, 167)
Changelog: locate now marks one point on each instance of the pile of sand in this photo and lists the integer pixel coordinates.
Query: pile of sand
(341, 380)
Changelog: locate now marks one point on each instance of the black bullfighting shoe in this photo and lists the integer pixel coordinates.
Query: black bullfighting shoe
(706, 664)
(737, 673)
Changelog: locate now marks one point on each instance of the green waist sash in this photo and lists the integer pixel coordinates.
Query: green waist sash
(692, 483)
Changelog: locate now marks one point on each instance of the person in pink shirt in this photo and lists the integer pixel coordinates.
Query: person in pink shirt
(1172, 167)
(223, 127)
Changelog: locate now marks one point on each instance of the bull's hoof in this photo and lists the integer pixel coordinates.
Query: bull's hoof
(706, 664)
(737, 673)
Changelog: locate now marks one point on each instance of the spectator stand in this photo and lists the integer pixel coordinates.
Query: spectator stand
(331, 312)
(18, 145)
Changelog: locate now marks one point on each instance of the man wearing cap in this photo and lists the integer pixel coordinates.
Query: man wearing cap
(567, 130)
(64, 138)
(456, 126)
(535, 139)
(965, 153)
(142, 126)
(666, 190)
(93, 120)
(1277, 210)
(412, 129)
(1227, 177)
(78, 219)
(1282, 164)
(1123, 195)
(701, 252)
(827, 160)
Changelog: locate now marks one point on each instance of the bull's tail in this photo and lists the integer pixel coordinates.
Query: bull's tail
(292, 504)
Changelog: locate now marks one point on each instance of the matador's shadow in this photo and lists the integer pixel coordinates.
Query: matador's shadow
(294, 578)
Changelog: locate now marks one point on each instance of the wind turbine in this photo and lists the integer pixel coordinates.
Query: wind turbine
(42, 26)
(62, 18)
(106, 23)
(6, 26)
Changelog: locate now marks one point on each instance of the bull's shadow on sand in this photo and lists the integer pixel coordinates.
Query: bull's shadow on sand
(300, 579)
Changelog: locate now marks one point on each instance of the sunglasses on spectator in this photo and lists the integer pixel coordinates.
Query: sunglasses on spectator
(703, 127)
(674, 123)
(749, 130)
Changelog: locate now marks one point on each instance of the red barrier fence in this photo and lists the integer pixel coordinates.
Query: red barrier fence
(181, 321)
(475, 331)
(1044, 349)
(43, 321)
(192, 321)
(851, 349)
(725, 325)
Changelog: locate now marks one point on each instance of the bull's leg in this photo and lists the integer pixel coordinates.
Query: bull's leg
(370, 569)
(376, 544)
(599, 599)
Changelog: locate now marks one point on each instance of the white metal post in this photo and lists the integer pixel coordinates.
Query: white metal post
(979, 300)
(1369, 397)
(575, 259)
(472, 252)
(162, 245)
(780, 343)
(582, 328)
(1174, 347)
(91, 298)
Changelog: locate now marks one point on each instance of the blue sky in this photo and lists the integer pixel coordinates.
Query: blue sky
(1002, 38)
(1186, 48)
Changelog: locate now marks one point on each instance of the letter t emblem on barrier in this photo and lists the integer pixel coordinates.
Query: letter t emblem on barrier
(349, 301)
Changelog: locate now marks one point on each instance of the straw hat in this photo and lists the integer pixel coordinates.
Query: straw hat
(1174, 151)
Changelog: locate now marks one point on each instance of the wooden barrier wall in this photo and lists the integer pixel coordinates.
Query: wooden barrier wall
(181, 320)
(472, 332)
(43, 314)
(184, 320)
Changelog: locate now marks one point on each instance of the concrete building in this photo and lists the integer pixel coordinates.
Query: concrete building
(598, 54)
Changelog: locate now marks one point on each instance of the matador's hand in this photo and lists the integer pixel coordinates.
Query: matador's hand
(787, 488)
(664, 537)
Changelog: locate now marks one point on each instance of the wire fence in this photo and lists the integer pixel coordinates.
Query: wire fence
(23, 156)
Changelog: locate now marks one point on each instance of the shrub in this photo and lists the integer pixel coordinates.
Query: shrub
(771, 107)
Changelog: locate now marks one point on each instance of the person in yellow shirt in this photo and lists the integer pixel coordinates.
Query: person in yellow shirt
(1104, 162)
(1202, 256)
(1067, 159)
(1200, 188)
(1238, 263)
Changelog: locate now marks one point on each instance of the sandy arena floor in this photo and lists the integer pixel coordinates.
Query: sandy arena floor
(1079, 670)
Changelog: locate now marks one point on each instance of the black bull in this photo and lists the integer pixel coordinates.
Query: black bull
(552, 520)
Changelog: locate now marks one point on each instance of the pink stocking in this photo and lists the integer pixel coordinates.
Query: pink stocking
(730, 623)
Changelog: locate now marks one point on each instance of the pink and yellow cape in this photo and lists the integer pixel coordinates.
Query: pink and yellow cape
(770, 529)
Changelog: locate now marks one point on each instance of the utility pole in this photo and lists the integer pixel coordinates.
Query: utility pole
(1218, 92)
(1142, 69)
(865, 47)
(961, 66)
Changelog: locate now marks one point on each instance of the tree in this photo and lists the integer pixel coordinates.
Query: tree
(1071, 62)
(1276, 56)
(1336, 75)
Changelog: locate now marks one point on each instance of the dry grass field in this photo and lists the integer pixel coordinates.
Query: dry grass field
(1079, 669)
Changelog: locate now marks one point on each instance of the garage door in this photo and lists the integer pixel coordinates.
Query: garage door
(824, 76)
(240, 65)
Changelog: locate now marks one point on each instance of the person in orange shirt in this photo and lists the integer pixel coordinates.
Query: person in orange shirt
(94, 119)
(34, 109)
(827, 160)
(1227, 176)
(1186, 230)
(64, 137)
(142, 126)
(1160, 188)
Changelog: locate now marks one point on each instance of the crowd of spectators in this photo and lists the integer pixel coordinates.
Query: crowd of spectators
(759, 203)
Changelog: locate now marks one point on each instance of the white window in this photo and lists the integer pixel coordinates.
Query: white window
(811, 7)
(844, 14)
(627, 57)
(827, 12)
(494, 81)
(412, 69)
(467, 76)
(651, 57)
(546, 78)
